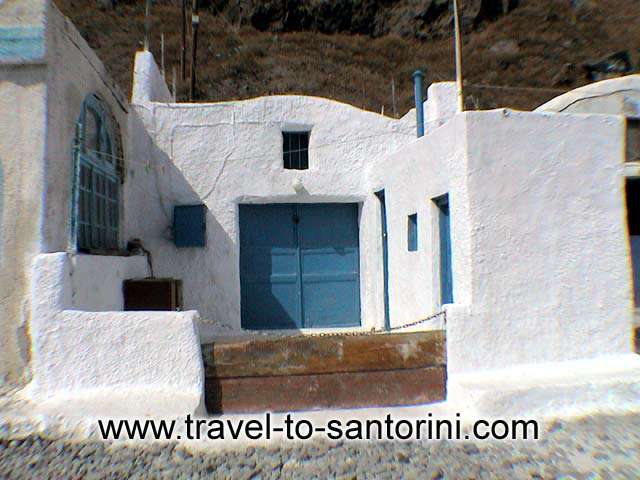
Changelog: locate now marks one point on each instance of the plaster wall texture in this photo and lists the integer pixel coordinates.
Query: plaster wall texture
(149, 85)
(17, 13)
(550, 274)
(22, 105)
(113, 363)
(96, 280)
(411, 178)
(43, 101)
(23, 101)
(74, 72)
(617, 96)
(226, 154)
(441, 104)
(608, 384)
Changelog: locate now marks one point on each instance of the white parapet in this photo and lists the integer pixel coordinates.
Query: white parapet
(109, 363)
(148, 83)
(609, 384)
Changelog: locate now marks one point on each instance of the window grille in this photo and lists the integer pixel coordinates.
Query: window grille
(295, 147)
(97, 180)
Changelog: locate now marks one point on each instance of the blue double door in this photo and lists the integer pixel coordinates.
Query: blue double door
(299, 265)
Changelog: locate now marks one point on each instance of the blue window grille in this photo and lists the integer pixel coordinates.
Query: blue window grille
(295, 148)
(412, 232)
(96, 209)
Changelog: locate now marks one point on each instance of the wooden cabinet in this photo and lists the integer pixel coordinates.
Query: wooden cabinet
(152, 294)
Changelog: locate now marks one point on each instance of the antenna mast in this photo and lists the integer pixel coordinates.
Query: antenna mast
(458, 48)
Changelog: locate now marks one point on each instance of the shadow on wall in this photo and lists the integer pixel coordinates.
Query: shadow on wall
(1, 215)
(156, 189)
(210, 275)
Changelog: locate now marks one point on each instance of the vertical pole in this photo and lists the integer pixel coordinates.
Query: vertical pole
(173, 83)
(385, 258)
(162, 54)
(147, 24)
(195, 20)
(393, 98)
(183, 45)
(418, 80)
(458, 48)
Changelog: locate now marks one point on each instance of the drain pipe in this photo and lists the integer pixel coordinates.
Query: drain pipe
(418, 80)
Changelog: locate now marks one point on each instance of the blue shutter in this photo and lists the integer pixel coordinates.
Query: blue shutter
(189, 225)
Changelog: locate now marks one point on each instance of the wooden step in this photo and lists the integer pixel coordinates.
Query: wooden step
(310, 372)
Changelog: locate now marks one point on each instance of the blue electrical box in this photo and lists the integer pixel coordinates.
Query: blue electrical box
(189, 225)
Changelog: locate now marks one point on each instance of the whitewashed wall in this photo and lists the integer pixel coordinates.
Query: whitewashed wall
(74, 72)
(550, 269)
(226, 154)
(412, 177)
(96, 280)
(109, 363)
(22, 146)
(541, 262)
(617, 96)
(42, 95)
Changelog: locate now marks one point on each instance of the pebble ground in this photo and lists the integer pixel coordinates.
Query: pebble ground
(598, 447)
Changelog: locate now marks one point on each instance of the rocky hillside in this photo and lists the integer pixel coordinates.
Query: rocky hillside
(517, 53)
(426, 19)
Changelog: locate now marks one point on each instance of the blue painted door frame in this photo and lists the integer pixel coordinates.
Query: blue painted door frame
(446, 272)
(299, 266)
(385, 257)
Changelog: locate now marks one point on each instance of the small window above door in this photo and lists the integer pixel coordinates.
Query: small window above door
(295, 150)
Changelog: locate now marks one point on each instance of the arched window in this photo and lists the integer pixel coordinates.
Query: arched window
(97, 179)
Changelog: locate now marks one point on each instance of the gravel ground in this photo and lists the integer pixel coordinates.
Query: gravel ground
(594, 448)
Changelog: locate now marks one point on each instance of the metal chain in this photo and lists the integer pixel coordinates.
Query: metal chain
(442, 314)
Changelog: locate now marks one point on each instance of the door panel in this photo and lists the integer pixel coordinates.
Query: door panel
(446, 274)
(299, 266)
(328, 235)
(269, 267)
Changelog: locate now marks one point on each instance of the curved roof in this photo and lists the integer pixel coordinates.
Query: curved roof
(625, 86)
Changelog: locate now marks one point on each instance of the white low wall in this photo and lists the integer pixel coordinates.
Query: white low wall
(109, 363)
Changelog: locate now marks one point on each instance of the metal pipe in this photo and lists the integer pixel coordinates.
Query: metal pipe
(418, 80)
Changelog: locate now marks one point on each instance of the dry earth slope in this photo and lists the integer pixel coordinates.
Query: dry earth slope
(536, 46)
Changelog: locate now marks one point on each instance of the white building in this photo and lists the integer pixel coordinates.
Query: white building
(316, 217)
